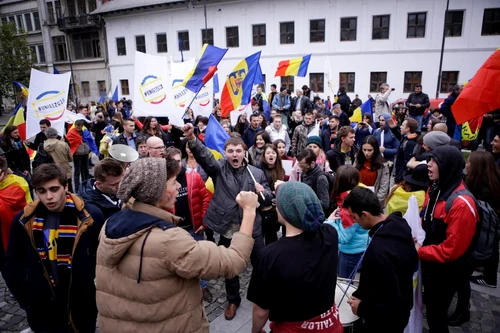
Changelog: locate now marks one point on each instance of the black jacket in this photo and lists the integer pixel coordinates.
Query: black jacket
(122, 140)
(386, 282)
(336, 158)
(305, 104)
(228, 182)
(405, 152)
(18, 160)
(345, 103)
(98, 199)
(25, 278)
(446, 111)
(415, 99)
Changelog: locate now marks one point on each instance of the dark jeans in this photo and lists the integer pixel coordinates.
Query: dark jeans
(440, 281)
(486, 135)
(347, 263)
(81, 163)
(233, 285)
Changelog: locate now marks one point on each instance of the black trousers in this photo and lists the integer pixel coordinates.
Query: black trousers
(270, 225)
(233, 285)
(81, 163)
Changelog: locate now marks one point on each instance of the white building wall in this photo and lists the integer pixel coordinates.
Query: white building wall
(394, 56)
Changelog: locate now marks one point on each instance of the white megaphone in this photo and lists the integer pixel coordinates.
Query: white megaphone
(123, 153)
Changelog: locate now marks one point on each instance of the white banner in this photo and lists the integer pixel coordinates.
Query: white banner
(202, 105)
(47, 99)
(235, 115)
(151, 93)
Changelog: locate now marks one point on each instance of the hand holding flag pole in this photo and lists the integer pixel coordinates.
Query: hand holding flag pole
(253, 178)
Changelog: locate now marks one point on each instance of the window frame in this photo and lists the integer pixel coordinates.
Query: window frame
(381, 26)
(94, 44)
(413, 82)
(185, 42)
(288, 82)
(118, 46)
(161, 47)
(140, 46)
(101, 84)
(318, 85)
(124, 87)
(378, 81)
(492, 22)
(235, 38)
(209, 36)
(317, 32)
(450, 82)
(85, 88)
(416, 25)
(285, 34)
(350, 86)
(259, 34)
(355, 29)
(453, 24)
(60, 48)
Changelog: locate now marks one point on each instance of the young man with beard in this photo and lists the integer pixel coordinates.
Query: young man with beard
(449, 220)
(344, 151)
(128, 137)
(230, 176)
(313, 176)
(51, 258)
(384, 296)
(387, 141)
(300, 133)
(408, 140)
(251, 131)
(329, 134)
(417, 102)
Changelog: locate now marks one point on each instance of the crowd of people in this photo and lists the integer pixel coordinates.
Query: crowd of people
(132, 247)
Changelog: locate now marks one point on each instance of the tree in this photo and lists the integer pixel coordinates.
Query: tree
(16, 59)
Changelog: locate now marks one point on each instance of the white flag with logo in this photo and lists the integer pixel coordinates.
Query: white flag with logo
(151, 93)
(47, 99)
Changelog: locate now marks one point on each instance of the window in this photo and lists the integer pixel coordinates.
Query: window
(259, 34)
(347, 80)
(92, 5)
(376, 79)
(380, 28)
(101, 86)
(316, 31)
(71, 8)
(207, 36)
(36, 21)
(448, 81)
(86, 88)
(60, 48)
(33, 54)
(4, 20)
(411, 80)
(20, 23)
(287, 82)
(317, 82)
(348, 29)
(232, 37)
(161, 43)
(82, 8)
(183, 40)
(87, 45)
(121, 47)
(58, 8)
(50, 12)
(124, 87)
(29, 24)
(491, 22)
(140, 43)
(416, 25)
(41, 54)
(287, 33)
(454, 20)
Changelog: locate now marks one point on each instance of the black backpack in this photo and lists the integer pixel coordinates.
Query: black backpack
(487, 230)
(41, 157)
(331, 181)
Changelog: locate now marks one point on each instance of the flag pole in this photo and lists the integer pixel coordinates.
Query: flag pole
(442, 50)
(187, 108)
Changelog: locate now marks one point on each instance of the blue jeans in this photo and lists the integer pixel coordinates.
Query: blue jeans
(419, 121)
(347, 263)
(199, 237)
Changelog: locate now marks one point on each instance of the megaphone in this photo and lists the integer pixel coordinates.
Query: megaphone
(123, 153)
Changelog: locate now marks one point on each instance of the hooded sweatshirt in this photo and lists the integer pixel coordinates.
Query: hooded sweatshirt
(386, 282)
(148, 272)
(60, 153)
(108, 204)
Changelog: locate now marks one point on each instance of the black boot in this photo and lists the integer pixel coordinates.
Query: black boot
(458, 318)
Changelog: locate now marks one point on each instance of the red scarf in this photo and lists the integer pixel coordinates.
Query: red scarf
(328, 322)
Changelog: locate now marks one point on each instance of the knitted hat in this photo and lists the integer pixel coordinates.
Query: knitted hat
(435, 139)
(300, 206)
(314, 139)
(145, 180)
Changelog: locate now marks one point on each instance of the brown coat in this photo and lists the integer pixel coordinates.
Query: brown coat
(168, 297)
(60, 153)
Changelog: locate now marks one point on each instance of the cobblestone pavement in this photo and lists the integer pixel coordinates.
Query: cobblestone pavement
(485, 308)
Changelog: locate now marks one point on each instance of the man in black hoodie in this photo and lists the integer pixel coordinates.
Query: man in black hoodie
(101, 190)
(384, 297)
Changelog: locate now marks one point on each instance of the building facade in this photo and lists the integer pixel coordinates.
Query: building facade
(65, 36)
(357, 44)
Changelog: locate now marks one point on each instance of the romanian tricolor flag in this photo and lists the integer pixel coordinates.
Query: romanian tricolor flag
(24, 89)
(482, 93)
(238, 88)
(293, 67)
(14, 195)
(360, 111)
(205, 69)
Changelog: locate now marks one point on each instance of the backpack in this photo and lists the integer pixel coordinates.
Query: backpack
(487, 230)
(41, 157)
(331, 179)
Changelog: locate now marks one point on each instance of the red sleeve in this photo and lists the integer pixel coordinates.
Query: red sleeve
(138, 124)
(205, 195)
(164, 127)
(461, 221)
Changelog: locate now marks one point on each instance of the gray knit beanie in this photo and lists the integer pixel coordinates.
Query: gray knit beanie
(300, 206)
(435, 139)
(145, 180)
